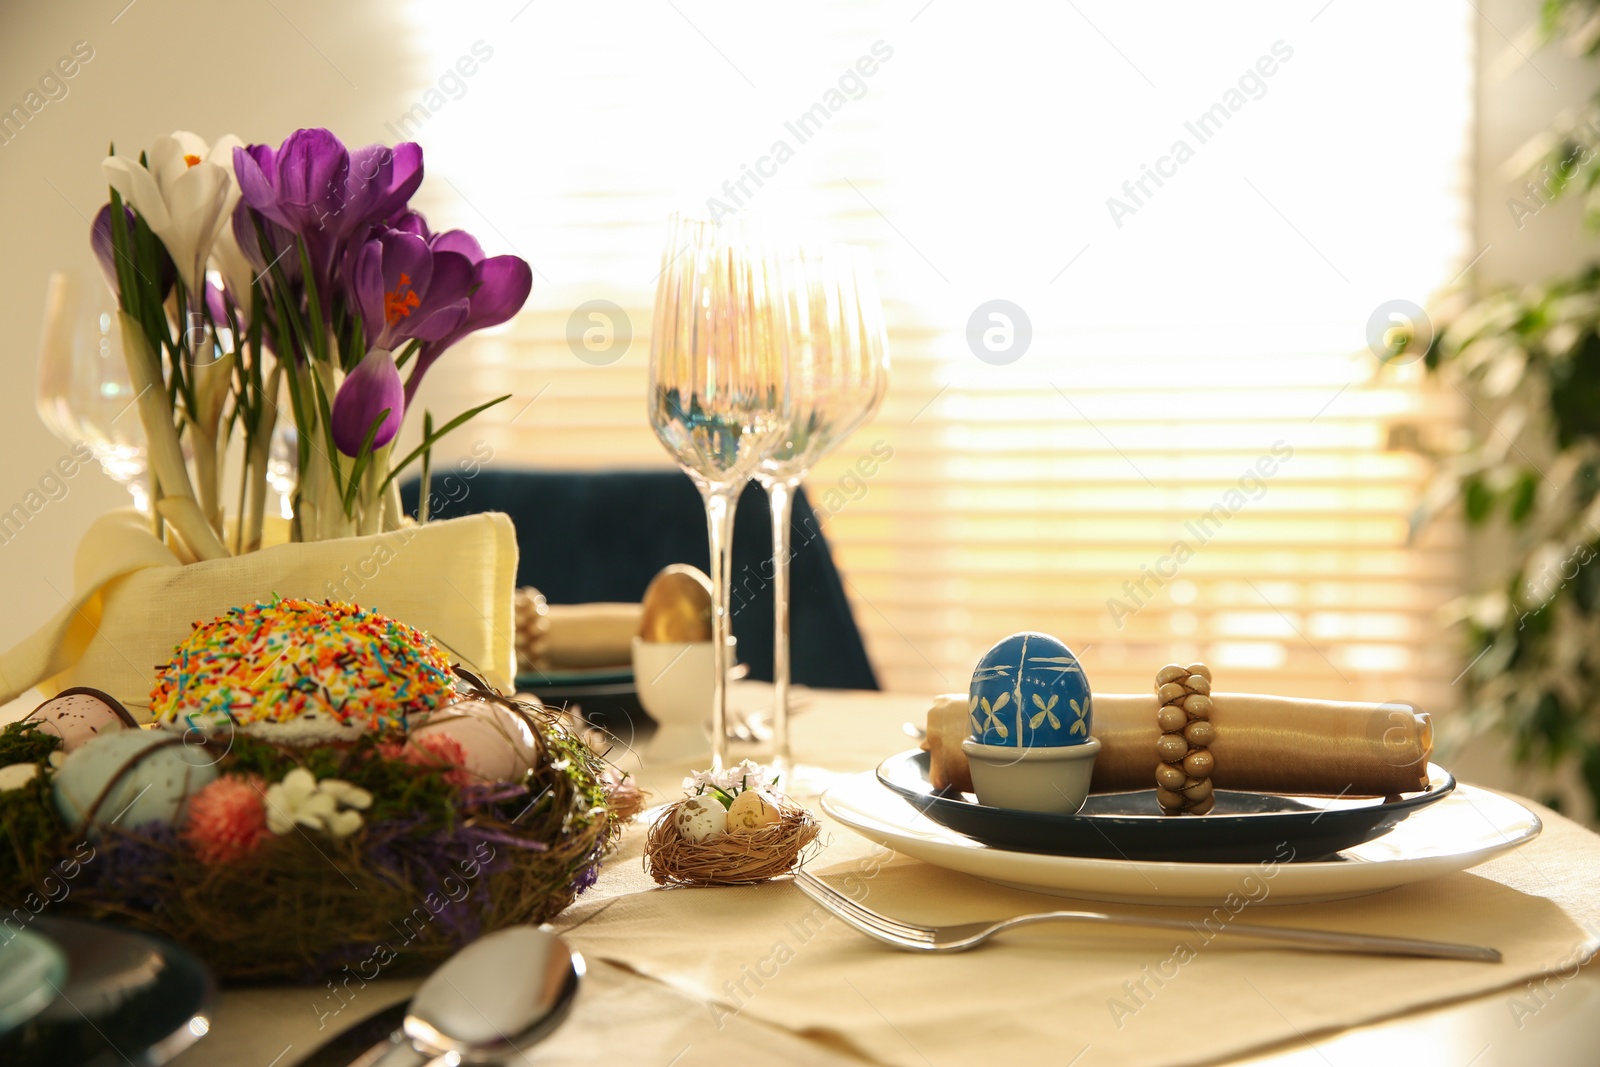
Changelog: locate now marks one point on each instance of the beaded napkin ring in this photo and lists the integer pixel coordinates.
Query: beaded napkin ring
(1183, 777)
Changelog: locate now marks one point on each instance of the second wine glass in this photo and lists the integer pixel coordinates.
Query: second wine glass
(838, 368)
(718, 391)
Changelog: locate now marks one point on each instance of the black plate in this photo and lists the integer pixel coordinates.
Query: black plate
(165, 1007)
(1243, 828)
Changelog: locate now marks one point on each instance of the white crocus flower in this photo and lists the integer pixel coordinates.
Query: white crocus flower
(230, 261)
(331, 804)
(186, 195)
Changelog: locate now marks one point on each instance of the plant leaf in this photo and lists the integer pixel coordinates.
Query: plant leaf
(363, 459)
(429, 441)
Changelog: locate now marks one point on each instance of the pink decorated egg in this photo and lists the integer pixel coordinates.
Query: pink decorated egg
(496, 742)
(81, 714)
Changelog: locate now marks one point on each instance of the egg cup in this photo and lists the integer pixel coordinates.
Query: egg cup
(674, 680)
(1053, 779)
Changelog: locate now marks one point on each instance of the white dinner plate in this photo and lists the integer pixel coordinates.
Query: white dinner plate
(1460, 831)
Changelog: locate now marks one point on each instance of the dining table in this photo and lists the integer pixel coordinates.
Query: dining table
(762, 974)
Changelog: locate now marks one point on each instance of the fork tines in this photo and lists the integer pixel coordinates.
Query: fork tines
(858, 915)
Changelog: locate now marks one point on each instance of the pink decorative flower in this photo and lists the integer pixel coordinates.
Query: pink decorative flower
(433, 751)
(437, 750)
(226, 820)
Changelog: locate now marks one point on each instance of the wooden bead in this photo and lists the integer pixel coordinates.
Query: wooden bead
(1198, 763)
(1200, 732)
(1197, 683)
(1171, 718)
(1171, 748)
(1170, 777)
(1204, 806)
(1201, 669)
(1171, 693)
(1171, 673)
(1199, 705)
(1199, 790)
(1168, 799)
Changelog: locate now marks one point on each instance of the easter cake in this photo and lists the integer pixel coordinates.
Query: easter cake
(301, 672)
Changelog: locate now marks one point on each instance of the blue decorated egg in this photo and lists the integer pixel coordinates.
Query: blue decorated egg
(1029, 691)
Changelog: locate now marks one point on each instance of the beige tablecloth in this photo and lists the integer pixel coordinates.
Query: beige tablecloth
(759, 975)
(1058, 994)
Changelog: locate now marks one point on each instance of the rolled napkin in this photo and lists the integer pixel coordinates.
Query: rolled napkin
(1267, 744)
(591, 635)
(948, 726)
(1274, 744)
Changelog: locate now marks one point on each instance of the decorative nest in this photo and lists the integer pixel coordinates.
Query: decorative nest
(435, 864)
(729, 858)
(625, 797)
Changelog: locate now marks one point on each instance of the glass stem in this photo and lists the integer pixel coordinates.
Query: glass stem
(781, 496)
(720, 501)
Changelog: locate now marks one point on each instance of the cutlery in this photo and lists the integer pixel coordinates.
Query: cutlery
(489, 1002)
(959, 938)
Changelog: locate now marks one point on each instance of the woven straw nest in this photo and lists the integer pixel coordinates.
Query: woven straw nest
(435, 865)
(731, 858)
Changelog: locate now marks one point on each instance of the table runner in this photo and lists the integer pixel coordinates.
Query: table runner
(618, 1018)
(1060, 994)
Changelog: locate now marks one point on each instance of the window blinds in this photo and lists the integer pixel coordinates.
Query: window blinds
(1191, 214)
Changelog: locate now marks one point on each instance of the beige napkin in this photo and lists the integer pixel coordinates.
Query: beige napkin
(1046, 993)
(767, 953)
(132, 600)
(591, 635)
(619, 1018)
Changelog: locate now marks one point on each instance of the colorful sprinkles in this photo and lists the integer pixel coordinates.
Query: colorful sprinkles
(302, 670)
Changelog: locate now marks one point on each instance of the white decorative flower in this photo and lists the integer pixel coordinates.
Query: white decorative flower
(331, 804)
(731, 780)
(186, 194)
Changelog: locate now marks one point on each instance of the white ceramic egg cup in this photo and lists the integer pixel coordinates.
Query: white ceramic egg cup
(674, 680)
(1052, 779)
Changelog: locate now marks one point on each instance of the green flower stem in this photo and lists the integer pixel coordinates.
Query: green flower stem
(257, 457)
(177, 504)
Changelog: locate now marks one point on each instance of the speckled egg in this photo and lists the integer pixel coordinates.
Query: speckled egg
(497, 743)
(137, 777)
(701, 817)
(80, 714)
(750, 811)
(1029, 691)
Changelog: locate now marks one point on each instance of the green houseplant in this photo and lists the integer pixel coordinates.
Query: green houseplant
(1528, 362)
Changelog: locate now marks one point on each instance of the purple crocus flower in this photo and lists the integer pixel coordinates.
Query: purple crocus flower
(279, 241)
(105, 252)
(369, 390)
(404, 289)
(218, 304)
(499, 287)
(380, 182)
(323, 193)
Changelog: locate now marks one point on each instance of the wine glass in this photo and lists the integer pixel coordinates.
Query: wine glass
(838, 366)
(718, 391)
(84, 393)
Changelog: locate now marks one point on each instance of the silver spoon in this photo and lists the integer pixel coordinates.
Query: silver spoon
(492, 1000)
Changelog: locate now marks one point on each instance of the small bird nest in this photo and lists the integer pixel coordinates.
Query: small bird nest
(624, 796)
(729, 859)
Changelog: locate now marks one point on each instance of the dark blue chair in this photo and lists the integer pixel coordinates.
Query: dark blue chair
(601, 536)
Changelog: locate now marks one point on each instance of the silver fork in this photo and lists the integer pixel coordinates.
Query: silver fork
(961, 937)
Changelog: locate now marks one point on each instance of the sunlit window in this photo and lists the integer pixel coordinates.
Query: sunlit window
(1191, 212)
